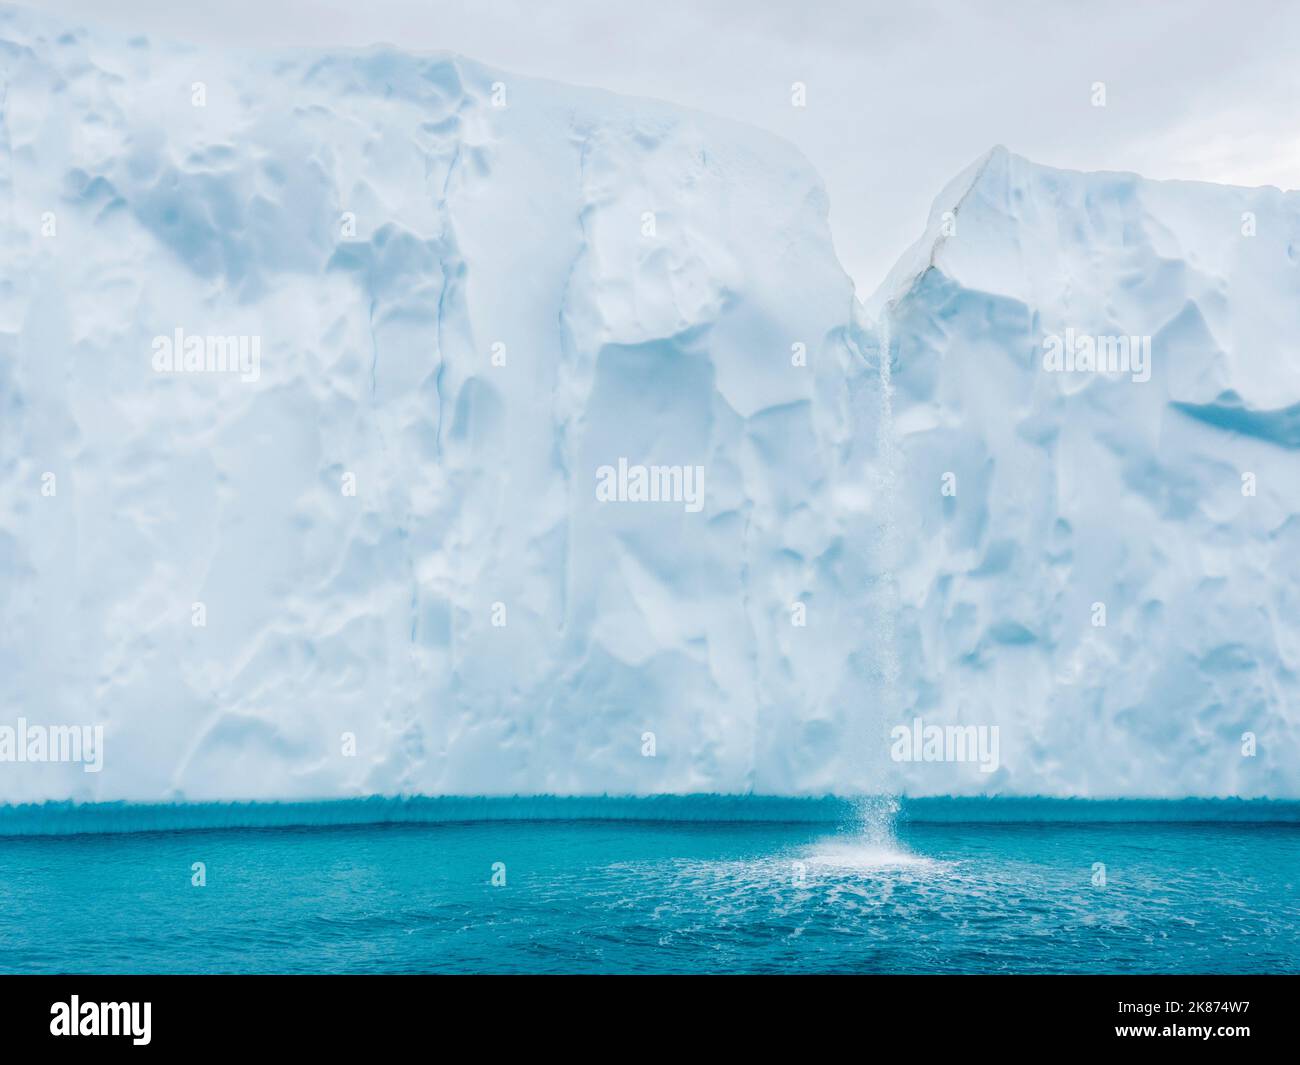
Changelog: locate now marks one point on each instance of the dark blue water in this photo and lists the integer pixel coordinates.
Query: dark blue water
(623, 896)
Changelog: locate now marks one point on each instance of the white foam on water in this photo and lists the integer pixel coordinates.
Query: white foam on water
(857, 855)
(873, 845)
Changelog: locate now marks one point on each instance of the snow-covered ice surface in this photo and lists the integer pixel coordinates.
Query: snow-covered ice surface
(1078, 489)
(471, 291)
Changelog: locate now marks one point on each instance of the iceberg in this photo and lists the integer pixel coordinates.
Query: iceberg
(1097, 558)
(521, 439)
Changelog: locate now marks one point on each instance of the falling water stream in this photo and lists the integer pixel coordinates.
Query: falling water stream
(877, 814)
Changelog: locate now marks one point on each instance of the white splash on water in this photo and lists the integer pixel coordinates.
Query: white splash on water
(857, 856)
(873, 844)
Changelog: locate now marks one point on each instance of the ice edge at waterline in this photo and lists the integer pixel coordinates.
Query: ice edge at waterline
(69, 818)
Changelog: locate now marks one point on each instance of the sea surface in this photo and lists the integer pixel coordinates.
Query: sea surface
(878, 894)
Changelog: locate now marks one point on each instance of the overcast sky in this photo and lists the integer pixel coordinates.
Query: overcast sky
(901, 96)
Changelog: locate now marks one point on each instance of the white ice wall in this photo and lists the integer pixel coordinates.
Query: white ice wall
(526, 229)
(521, 229)
(1074, 489)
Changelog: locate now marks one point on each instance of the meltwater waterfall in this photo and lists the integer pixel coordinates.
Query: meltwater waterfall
(876, 813)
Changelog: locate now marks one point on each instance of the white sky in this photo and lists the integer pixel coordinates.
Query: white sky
(901, 95)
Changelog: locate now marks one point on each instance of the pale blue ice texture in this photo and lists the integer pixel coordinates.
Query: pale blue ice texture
(470, 291)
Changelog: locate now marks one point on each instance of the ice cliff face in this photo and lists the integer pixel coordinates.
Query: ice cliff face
(469, 293)
(1104, 563)
(402, 546)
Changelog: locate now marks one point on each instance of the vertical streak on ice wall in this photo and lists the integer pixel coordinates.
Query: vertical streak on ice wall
(877, 811)
(886, 493)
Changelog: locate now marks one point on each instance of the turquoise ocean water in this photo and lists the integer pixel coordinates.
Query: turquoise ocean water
(685, 885)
